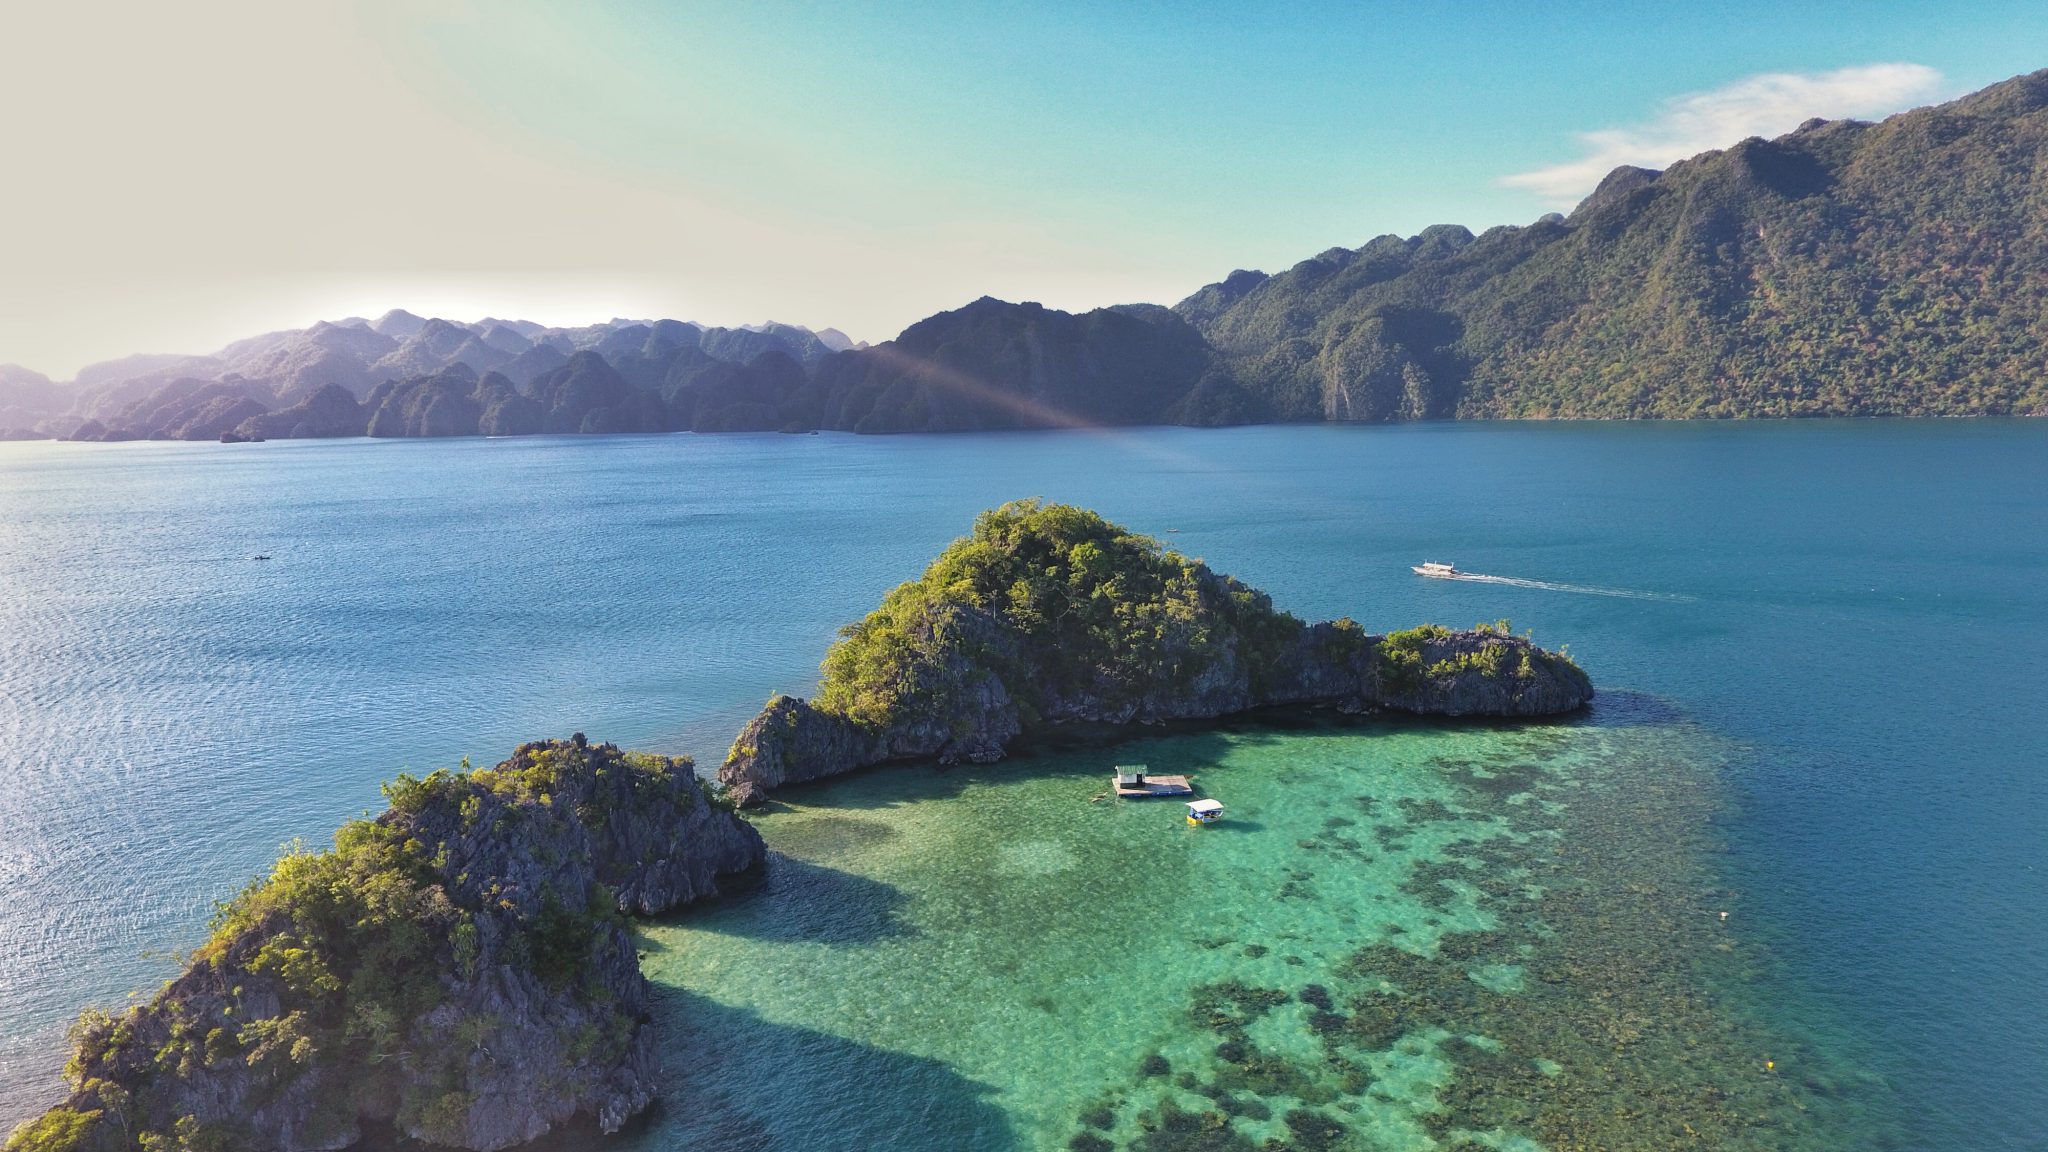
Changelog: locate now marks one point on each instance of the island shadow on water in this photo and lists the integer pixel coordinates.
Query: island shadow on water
(854, 1096)
(816, 904)
(847, 1096)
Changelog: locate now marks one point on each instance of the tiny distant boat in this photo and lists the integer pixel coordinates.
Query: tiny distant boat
(1439, 570)
(1202, 812)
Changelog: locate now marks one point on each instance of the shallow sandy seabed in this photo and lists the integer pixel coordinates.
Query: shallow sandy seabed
(1402, 936)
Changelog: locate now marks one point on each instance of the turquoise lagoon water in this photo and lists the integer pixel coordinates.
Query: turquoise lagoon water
(1400, 938)
(1821, 652)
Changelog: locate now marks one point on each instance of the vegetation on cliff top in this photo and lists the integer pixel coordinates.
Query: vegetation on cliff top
(1054, 603)
(1053, 600)
(322, 973)
(1403, 661)
(1049, 615)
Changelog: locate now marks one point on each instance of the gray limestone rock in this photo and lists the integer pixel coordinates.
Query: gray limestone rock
(460, 968)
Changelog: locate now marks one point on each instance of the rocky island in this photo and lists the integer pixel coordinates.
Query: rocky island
(459, 970)
(1049, 615)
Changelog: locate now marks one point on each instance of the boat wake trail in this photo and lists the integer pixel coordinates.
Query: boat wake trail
(1581, 589)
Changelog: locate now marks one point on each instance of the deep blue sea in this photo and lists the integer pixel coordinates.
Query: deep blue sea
(1858, 610)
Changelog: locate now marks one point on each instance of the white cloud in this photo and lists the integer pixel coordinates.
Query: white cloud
(1768, 104)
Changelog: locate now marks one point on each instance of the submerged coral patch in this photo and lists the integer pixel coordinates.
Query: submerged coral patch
(1400, 937)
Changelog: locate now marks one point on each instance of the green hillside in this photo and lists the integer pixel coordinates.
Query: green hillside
(1846, 268)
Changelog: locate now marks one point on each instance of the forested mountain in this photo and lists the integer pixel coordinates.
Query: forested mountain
(1846, 268)
(997, 365)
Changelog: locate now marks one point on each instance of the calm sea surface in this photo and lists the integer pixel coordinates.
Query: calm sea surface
(1822, 650)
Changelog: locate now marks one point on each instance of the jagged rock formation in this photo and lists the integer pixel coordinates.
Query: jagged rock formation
(331, 410)
(745, 345)
(1050, 615)
(295, 364)
(184, 409)
(152, 397)
(714, 396)
(996, 365)
(587, 395)
(439, 344)
(452, 402)
(459, 968)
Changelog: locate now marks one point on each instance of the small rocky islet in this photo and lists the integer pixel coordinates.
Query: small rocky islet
(460, 969)
(1050, 615)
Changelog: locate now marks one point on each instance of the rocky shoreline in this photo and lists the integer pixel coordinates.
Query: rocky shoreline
(1049, 615)
(793, 740)
(459, 970)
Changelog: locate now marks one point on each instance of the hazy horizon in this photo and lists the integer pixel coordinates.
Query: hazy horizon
(208, 174)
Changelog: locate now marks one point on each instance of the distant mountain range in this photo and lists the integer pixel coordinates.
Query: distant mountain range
(1846, 268)
(406, 375)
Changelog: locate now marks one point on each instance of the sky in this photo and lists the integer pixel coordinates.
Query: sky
(178, 176)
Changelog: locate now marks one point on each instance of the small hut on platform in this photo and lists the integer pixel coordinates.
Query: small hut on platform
(1133, 782)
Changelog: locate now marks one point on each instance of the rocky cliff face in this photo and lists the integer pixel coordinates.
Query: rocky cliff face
(459, 968)
(586, 394)
(1049, 615)
(331, 410)
(793, 740)
(994, 364)
(1330, 664)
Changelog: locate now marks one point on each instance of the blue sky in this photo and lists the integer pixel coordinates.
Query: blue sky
(1267, 129)
(858, 164)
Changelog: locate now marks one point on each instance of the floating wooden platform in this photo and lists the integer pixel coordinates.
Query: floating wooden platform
(1156, 786)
